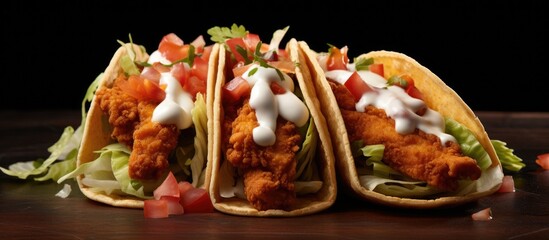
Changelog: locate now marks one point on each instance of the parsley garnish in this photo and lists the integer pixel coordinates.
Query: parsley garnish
(396, 80)
(258, 57)
(220, 34)
(252, 72)
(244, 53)
(363, 63)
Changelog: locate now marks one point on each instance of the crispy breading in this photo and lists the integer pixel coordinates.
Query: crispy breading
(121, 109)
(418, 155)
(268, 171)
(151, 143)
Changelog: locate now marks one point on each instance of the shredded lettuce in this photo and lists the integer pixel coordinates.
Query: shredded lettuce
(63, 151)
(129, 66)
(278, 35)
(469, 145)
(200, 121)
(307, 179)
(109, 172)
(508, 160)
(306, 166)
(397, 188)
(60, 168)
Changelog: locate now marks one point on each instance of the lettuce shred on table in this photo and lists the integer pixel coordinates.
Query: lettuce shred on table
(62, 159)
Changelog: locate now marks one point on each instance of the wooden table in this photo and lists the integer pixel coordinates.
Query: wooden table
(29, 210)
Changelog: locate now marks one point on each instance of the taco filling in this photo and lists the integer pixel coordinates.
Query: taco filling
(268, 136)
(155, 112)
(400, 146)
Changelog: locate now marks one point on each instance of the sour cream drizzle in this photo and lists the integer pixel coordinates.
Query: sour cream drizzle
(397, 104)
(176, 107)
(268, 105)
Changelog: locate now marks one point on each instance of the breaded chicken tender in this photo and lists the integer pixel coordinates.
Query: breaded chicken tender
(268, 171)
(418, 155)
(121, 109)
(151, 143)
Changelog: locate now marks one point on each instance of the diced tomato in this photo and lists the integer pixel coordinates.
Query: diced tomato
(414, 92)
(187, 199)
(277, 89)
(236, 89)
(167, 188)
(174, 206)
(200, 69)
(151, 74)
(199, 43)
(240, 69)
(160, 67)
(183, 187)
(196, 200)
(543, 161)
(206, 52)
(409, 86)
(357, 86)
(482, 215)
(173, 48)
(181, 73)
(251, 40)
(233, 43)
(142, 89)
(508, 185)
(154, 208)
(337, 60)
(377, 68)
(195, 85)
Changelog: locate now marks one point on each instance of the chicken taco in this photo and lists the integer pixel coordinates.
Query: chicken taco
(401, 136)
(148, 119)
(272, 154)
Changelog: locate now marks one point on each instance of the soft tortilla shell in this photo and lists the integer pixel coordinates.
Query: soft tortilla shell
(97, 130)
(438, 96)
(304, 205)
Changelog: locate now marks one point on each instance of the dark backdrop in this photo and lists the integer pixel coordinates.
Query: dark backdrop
(493, 53)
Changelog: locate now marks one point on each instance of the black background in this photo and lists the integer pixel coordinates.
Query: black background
(492, 53)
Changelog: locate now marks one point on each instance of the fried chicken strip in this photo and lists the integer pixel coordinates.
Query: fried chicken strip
(418, 155)
(151, 143)
(268, 171)
(121, 109)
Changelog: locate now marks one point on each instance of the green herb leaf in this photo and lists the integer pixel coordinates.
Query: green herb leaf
(252, 72)
(363, 63)
(244, 53)
(258, 57)
(220, 34)
(190, 59)
(330, 46)
(396, 80)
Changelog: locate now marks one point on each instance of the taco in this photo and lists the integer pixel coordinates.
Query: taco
(148, 119)
(401, 136)
(272, 155)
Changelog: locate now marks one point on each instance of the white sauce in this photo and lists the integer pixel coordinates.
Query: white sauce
(269, 106)
(397, 104)
(176, 107)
